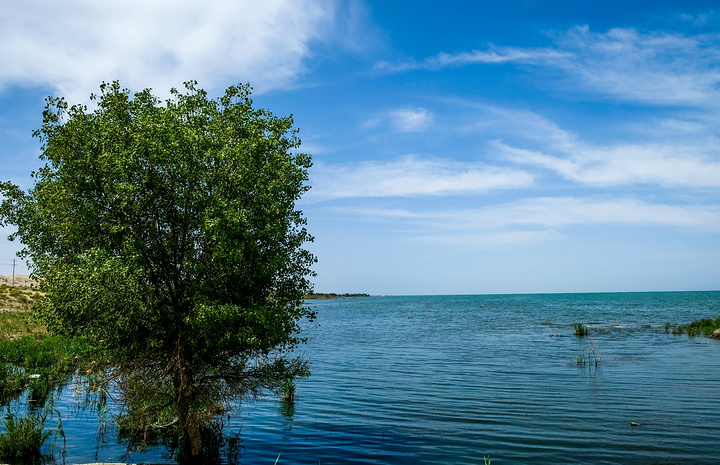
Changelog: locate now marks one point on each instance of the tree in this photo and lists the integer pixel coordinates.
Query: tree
(167, 233)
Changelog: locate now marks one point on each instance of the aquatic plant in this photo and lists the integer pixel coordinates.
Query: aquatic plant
(24, 437)
(593, 356)
(581, 330)
(36, 362)
(288, 390)
(705, 327)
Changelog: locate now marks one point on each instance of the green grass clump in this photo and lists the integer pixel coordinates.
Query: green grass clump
(23, 438)
(699, 327)
(581, 330)
(288, 390)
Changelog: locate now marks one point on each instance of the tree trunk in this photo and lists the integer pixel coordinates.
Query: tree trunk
(185, 391)
(191, 435)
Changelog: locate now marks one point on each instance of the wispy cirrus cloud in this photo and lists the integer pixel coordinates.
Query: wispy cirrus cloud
(157, 43)
(410, 176)
(622, 63)
(625, 164)
(656, 68)
(544, 218)
(673, 154)
(404, 119)
(495, 55)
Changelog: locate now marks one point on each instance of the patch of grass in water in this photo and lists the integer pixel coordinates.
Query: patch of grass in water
(581, 330)
(30, 358)
(704, 327)
(23, 438)
(38, 364)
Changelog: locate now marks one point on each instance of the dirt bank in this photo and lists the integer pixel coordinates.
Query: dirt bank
(21, 280)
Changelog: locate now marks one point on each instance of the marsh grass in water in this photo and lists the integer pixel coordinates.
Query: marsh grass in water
(29, 357)
(704, 327)
(288, 390)
(592, 357)
(38, 364)
(581, 330)
(24, 436)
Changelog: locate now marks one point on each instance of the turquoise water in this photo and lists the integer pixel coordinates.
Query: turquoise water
(454, 379)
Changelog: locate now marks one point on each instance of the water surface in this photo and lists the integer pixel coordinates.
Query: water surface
(454, 379)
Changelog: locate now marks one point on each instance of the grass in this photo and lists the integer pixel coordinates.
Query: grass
(32, 361)
(15, 312)
(704, 327)
(38, 364)
(30, 358)
(581, 330)
(23, 438)
(288, 390)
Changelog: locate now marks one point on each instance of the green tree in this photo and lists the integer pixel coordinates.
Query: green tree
(167, 233)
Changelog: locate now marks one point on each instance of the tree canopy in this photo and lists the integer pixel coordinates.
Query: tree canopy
(167, 234)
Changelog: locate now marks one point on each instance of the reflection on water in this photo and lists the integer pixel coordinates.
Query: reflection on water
(454, 379)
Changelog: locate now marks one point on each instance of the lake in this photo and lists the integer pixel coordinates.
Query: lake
(457, 379)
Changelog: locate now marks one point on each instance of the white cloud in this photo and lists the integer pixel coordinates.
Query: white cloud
(410, 176)
(655, 68)
(542, 219)
(73, 46)
(667, 166)
(404, 119)
(524, 125)
(497, 55)
(554, 212)
(669, 153)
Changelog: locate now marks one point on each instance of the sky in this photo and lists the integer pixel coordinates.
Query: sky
(459, 147)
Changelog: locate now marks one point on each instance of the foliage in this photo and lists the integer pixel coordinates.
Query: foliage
(705, 327)
(167, 234)
(23, 437)
(581, 330)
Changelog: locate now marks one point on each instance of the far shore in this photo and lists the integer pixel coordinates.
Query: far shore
(332, 295)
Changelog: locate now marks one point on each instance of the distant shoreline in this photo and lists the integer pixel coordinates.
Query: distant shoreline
(332, 295)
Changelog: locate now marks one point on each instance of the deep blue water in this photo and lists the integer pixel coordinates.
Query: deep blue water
(454, 379)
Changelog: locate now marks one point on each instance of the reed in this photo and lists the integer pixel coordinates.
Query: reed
(593, 357)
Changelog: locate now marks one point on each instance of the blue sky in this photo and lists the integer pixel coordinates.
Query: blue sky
(460, 147)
